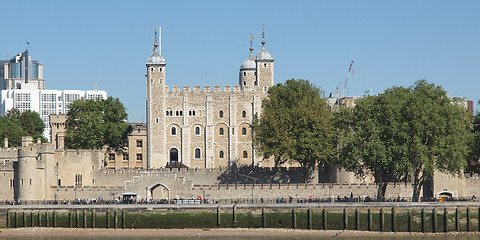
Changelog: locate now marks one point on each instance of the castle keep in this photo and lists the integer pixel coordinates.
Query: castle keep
(201, 128)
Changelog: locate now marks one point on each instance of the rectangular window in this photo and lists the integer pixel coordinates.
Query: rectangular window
(139, 143)
(112, 157)
(125, 157)
(139, 157)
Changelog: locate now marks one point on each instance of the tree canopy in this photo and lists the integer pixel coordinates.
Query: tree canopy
(93, 124)
(405, 132)
(15, 125)
(295, 125)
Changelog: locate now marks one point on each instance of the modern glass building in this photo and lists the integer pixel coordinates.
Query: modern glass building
(22, 87)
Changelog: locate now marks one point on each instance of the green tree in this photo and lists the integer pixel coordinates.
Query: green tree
(405, 132)
(11, 129)
(93, 124)
(295, 125)
(13, 113)
(32, 124)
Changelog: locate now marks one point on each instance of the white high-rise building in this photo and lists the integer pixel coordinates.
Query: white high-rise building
(22, 87)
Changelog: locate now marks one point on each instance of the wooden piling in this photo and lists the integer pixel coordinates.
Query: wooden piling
(31, 218)
(457, 224)
(123, 219)
(53, 219)
(369, 219)
(69, 219)
(24, 219)
(357, 220)
(77, 224)
(468, 219)
(324, 219)
(107, 219)
(445, 220)
(264, 218)
(409, 221)
(422, 220)
(382, 221)
(8, 218)
(93, 218)
(84, 218)
(115, 219)
(434, 220)
(234, 213)
(15, 220)
(294, 219)
(309, 218)
(394, 220)
(345, 219)
(218, 215)
(47, 220)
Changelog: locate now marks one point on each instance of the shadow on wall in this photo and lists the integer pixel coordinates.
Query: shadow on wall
(249, 175)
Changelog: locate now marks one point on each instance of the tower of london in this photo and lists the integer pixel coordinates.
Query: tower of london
(201, 127)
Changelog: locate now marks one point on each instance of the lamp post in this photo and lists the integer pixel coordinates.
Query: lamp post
(254, 181)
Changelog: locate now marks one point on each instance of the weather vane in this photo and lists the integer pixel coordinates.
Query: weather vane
(263, 34)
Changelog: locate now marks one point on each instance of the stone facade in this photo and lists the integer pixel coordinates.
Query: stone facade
(205, 128)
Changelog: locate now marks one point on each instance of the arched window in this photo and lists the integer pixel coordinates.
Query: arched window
(174, 131)
(197, 153)
(244, 82)
(221, 131)
(220, 114)
(244, 114)
(173, 155)
(244, 131)
(244, 74)
(221, 154)
(197, 130)
(245, 154)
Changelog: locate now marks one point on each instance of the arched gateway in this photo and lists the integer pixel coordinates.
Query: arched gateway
(158, 192)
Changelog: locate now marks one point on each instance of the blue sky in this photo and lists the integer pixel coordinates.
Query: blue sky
(393, 43)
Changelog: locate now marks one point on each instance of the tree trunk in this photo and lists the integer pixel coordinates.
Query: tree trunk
(382, 188)
(416, 189)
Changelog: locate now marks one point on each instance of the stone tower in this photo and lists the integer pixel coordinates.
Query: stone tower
(248, 70)
(264, 67)
(155, 104)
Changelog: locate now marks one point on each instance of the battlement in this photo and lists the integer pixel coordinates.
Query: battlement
(208, 89)
(8, 152)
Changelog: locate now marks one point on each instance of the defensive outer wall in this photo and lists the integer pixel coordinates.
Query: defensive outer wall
(37, 172)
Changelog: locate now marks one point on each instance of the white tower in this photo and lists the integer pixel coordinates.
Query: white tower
(155, 106)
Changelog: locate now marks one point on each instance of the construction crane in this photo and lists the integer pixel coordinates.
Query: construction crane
(346, 80)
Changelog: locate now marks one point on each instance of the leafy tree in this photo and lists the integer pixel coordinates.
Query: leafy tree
(405, 132)
(32, 124)
(93, 124)
(295, 126)
(13, 114)
(11, 129)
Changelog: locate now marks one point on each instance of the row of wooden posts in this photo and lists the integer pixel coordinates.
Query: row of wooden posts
(72, 223)
(73, 219)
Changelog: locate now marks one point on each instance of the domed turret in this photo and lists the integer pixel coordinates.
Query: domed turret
(249, 63)
(156, 58)
(263, 54)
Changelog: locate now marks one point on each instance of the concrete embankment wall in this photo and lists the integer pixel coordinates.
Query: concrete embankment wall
(402, 217)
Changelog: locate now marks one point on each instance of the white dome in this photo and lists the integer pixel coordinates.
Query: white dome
(156, 58)
(263, 54)
(249, 63)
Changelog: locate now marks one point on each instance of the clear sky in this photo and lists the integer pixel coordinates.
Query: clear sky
(393, 43)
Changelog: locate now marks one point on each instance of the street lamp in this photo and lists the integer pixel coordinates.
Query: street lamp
(254, 181)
